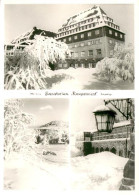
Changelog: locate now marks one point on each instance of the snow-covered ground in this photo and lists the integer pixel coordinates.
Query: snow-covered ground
(100, 171)
(30, 173)
(82, 78)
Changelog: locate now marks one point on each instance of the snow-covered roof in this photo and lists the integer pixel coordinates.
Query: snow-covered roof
(24, 37)
(122, 123)
(103, 108)
(100, 18)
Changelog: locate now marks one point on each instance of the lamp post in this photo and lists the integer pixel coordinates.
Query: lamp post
(105, 118)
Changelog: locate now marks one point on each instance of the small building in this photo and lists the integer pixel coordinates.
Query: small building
(91, 35)
(19, 43)
(53, 134)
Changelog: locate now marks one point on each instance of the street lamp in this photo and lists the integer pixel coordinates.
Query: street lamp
(105, 118)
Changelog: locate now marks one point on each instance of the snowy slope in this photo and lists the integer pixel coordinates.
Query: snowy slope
(101, 171)
(57, 125)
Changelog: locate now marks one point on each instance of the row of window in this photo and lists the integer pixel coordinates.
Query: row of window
(78, 24)
(109, 20)
(75, 37)
(82, 44)
(93, 42)
(115, 33)
(89, 34)
(83, 53)
(12, 47)
(87, 27)
(90, 53)
(78, 29)
(81, 65)
(9, 53)
(111, 24)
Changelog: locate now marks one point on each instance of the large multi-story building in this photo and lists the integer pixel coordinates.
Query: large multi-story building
(91, 35)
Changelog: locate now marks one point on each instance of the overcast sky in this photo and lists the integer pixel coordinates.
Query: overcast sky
(46, 110)
(20, 18)
(82, 117)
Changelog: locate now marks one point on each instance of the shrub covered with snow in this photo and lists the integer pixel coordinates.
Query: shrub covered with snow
(29, 69)
(121, 66)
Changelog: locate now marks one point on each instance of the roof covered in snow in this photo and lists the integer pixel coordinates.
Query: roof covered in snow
(97, 16)
(122, 123)
(103, 108)
(95, 12)
(29, 35)
(54, 125)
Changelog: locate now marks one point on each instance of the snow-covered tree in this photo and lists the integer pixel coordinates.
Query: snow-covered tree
(120, 66)
(17, 135)
(29, 69)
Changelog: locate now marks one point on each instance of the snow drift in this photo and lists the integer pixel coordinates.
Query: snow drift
(101, 171)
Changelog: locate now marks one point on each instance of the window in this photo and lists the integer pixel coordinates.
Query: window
(75, 45)
(90, 53)
(89, 43)
(82, 44)
(60, 65)
(110, 32)
(82, 65)
(98, 51)
(96, 32)
(110, 41)
(76, 65)
(76, 54)
(89, 34)
(121, 36)
(64, 40)
(75, 37)
(69, 38)
(116, 34)
(82, 36)
(65, 65)
(82, 53)
(90, 65)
